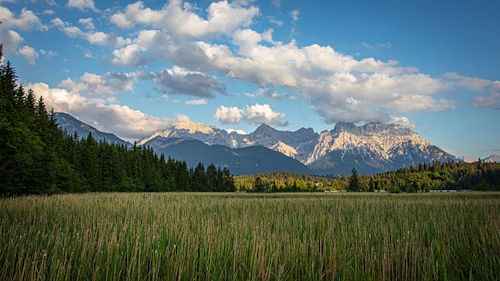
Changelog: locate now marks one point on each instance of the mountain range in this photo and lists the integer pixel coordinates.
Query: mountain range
(371, 148)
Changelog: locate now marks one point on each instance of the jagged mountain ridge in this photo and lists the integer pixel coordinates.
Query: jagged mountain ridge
(247, 160)
(71, 125)
(292, 144)
(371, 148)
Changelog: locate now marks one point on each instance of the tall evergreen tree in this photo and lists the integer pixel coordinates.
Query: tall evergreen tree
(354, 181)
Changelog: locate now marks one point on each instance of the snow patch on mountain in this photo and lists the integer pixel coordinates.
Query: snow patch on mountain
(492, 159)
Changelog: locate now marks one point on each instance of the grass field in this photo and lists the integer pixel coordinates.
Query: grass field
(186, 236)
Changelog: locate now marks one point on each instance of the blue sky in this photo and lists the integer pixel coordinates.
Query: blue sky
(132, 68)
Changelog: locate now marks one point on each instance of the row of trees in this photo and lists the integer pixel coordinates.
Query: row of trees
(418, 178)
(36, 157)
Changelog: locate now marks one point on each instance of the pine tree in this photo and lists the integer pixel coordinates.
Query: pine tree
(354, 181)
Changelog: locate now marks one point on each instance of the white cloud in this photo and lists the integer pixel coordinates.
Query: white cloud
(82, 5)
(87, 23)
(66, 28)
(228, 115)
(27, 20)
(11, 40)
(368, 45)
(180, 81)
(295, 15)
(97, 38)
(101, 87)
(121, 120)
(273, 20)
(472, 83)
(386, 45)
(492, 101)
(197, 102)
(134, 54)
(179, 18)
(29, 54)
(262, 113)
(48, 54)
(403, 120)
(269, 93)
(276, 3)
(254, 114)
(48, 12)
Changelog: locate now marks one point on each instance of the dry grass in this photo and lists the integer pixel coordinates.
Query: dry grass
(182, 236)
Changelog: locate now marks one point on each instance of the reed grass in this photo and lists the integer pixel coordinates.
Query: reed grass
(195, 236)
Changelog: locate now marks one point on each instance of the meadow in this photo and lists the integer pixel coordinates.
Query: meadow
(238, 236)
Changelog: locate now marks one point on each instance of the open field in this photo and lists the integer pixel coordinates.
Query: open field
(231, 236)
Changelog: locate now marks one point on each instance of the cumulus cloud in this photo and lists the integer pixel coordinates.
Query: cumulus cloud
(228, 115)
(82, 5)
(179, 18)
(103, 87)
(180, 81)
(262, 113)
(121, 120)
(403, 120)
(97, 38)
(30, 54)
(10, 41)
(197, 102)
(27, 20)
(254, 114)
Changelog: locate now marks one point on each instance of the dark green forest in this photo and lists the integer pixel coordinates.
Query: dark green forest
(419, 178)
(36, 157)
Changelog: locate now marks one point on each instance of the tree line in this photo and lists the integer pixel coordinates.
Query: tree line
(37, 157)
(418, 178)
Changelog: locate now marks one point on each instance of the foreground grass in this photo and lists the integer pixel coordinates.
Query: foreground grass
(116, 236)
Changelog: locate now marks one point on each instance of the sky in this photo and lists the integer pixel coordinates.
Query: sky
(134, 67)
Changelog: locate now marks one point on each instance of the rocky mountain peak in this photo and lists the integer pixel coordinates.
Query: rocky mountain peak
(193, 127)
(264, 129)
(343, 126)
